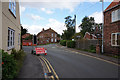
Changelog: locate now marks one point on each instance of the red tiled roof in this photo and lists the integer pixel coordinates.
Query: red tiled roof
(114, 3)
(46, 31)
(25, 35)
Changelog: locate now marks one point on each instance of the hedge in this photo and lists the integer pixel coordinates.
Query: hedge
(9, 68)
(63, 42)
(12, 63)
(71, 44)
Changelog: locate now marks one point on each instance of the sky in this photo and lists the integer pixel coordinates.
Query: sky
(36, 15)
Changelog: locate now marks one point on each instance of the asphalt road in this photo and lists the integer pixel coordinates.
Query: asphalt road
(67, 64)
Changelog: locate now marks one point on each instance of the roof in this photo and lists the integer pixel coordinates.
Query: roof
(26, 35)
(46, 31)
(113, 4)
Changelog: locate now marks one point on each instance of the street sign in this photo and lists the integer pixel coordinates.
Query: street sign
(40, 50)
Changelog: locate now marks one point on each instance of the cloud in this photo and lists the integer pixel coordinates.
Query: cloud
(56, 25)
(34, 17)
(47, 11)
(97, 16)
(53, 23)
(49, 6)
(22, 9)
(33, 29)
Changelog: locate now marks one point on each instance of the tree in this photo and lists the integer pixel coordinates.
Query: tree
(23, 30)
(69, 23)
(78, 36)
(87, 25)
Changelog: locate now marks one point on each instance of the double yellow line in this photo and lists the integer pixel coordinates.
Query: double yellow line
(50, 68)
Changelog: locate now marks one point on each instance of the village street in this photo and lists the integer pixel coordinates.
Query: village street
(68, 64)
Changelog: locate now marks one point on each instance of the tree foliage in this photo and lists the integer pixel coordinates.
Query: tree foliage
(69, 23)
(23, 30)
(87, 25)
(78, 36)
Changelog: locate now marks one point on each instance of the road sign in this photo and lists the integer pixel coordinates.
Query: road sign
(40, 50)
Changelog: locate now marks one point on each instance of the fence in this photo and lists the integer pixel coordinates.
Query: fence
(85, 44)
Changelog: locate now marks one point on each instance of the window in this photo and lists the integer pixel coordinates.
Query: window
(12, 7)
(52, 40)
(19, 39)
(52, 34)
(115, 39)
(11, 33)
(55, 35)
(55, 40)
(116, 15)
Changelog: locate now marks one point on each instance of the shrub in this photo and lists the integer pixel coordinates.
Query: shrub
(63, 42)
(92, 49)
(9, 68)
(18, 55)
(12, 63)
(71, 44)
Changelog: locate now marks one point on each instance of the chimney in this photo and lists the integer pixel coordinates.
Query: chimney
(43, 29)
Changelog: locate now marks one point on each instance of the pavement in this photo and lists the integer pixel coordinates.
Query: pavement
(32, 68)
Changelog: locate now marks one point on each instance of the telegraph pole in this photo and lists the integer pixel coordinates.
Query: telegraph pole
(102, 23)
(75, 22)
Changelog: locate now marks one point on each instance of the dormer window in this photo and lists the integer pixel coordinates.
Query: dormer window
(12, 7)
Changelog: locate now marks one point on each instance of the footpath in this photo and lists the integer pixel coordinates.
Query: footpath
(32, 67)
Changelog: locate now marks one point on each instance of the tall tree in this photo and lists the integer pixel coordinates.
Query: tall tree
(87, 25)
(69, 23)
(23, 30)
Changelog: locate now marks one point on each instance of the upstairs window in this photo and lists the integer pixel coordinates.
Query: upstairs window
(55, 35)
(12, 7)
(52, 34)
(116, 15)
(115, 39)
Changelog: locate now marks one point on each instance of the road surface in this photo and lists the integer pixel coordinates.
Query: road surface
(68, 64)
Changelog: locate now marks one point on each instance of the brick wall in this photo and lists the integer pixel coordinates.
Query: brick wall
(45, 36)
(110, 28)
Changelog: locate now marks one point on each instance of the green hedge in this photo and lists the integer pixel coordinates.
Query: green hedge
(9, 68)
(71, 44)
(12, 63)
(63, 42)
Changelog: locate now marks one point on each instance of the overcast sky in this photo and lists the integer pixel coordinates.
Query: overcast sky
(38, 14)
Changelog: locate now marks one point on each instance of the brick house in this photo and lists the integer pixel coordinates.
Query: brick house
(47, 36)
(112, 28)
(25, 41)
(25, 35)
(10, 29)
(93, 35)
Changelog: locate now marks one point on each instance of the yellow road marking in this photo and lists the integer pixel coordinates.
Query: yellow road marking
(97, 58)
(52, 69)
(47, 66)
